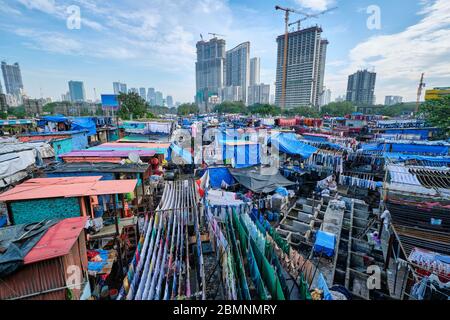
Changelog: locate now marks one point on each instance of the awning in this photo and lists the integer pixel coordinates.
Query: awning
(252, 179)
(289, 144)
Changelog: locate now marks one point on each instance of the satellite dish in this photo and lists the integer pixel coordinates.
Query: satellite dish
(134, 157)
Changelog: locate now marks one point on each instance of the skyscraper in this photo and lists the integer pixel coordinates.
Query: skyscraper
(237, 68)
(392, 100)
(119, 87)
(209, 70)
(258, 93)
(76, 90)
(361, 88)
(305, 68)
(12, 78)
(151, 96)
(255, 71)
(159, 99)
(143, 93)
(231, 93)
(169, 100)
(325, 97)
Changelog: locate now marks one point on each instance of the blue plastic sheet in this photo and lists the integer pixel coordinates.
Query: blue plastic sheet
(219, 175)
(289, 144)
(406, 148)
(85, 124)
(184, 154)
(325, 243)
(322, 285)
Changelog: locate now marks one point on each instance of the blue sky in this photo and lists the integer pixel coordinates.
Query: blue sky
(151, 43)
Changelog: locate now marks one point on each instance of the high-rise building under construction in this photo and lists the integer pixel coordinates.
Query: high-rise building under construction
(305, 68)
(209, 70)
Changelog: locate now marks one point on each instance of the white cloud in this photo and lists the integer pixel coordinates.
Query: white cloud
(50, 41)
(6, 8)
(317, 5)
(400, 58)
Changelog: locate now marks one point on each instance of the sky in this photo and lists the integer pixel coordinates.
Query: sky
(151, 43)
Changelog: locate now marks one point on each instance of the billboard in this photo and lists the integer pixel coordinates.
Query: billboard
(110, 102)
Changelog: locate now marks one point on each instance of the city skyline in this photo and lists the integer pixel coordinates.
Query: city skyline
(147, 51)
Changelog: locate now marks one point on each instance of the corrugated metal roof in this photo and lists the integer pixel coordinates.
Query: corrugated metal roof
(57, 241)
(107, 153)
(42, 188)
(97, 167)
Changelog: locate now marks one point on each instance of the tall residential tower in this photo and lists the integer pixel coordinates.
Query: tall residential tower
(209, 70)
(12, 79)
(237, 70)
(305, 68)
(361, 88)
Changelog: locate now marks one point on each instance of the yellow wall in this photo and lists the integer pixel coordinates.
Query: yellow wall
(436, 94)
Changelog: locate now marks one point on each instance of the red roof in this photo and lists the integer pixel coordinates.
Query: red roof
(43, 188)
(57, 241)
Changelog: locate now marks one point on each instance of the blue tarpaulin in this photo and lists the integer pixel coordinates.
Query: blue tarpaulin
(180, 152)
(407, 148)
(404, 157)
(325, 243)
(84, 124)
(289, 144)
(219, 175)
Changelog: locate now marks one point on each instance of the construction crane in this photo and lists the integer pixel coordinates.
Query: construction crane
(287, 12)
(309, 16)
(419, 91)
(216, 34)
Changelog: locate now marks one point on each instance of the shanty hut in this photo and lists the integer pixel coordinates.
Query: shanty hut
(48, 198)
(55, 263)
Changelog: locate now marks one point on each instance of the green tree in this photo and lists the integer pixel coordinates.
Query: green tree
(187, 108)
(18, 112)
(231, 107)
(398, 109)
(437, 112)
(49, 107)
(132, 105)
(338, 109)
(264, 109)
(307, 112)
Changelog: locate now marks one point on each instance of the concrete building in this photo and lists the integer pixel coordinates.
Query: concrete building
(33, 106)
(437, 93)
(237, 68)
(325, 97)
(258, 93)
(255, 71)
(119, 87)
(209, 71)
(1, 87)
(151, 96)
(392, 100)
(305, 68)
(169, 101)
(3, 104)
(76, 91)
(12, 78)
(231, 93)
(361, 88)
(143, 93)
(159, 99)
